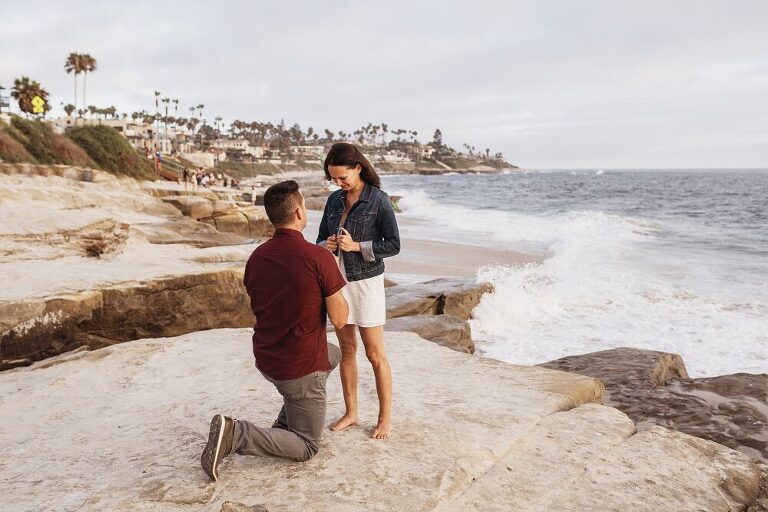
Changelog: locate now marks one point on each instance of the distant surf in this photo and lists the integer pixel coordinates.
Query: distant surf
(671, 261)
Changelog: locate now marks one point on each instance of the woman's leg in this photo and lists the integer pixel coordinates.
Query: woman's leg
(373, 340)
(348, 370)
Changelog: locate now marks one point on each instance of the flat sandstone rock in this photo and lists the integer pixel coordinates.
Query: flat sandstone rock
(653, 388)
(122, 428)
(445, 330)
(449, 296)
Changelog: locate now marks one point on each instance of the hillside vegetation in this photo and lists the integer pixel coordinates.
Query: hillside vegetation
(98, 147)
(111, 151)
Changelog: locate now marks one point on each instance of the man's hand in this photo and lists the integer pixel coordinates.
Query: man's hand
(331, 244)
(346, 243)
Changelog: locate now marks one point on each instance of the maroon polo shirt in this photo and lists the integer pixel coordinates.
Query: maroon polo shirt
(287, 279)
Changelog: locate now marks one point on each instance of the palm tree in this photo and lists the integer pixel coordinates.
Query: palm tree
(200, 108)
(88, 66)
(263, 128)
(165, 117)
(175, 108)
(69, 108)
(218, 130)
(74, 64)
(24, 91)
(296, 134)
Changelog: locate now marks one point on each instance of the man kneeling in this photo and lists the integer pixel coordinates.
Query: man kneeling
(292, 285)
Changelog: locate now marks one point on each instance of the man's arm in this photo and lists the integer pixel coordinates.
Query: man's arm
(338, 309)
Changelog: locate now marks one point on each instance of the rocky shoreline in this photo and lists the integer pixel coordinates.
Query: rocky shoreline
(653, 388)
(101, 261)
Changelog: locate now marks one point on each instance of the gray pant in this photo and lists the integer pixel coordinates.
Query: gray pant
(300, 424)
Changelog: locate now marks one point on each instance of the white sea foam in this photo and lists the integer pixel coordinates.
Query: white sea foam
(608, 281)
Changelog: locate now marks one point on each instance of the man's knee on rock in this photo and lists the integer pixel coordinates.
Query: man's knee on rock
(310, 452)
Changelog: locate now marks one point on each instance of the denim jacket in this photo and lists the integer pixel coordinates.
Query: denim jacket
(371, 221)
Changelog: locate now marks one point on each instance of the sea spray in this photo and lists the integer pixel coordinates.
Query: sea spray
(629, 260)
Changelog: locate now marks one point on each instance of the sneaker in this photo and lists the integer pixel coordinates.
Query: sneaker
(219, 444)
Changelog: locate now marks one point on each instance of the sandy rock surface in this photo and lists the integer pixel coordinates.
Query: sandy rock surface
(189, 232)
(191, 206)
(445, 330)
(33, 330)
(449, 296)
(122, 428)
(653, 388)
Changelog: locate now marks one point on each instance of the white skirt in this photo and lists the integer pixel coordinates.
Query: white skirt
(367, 305)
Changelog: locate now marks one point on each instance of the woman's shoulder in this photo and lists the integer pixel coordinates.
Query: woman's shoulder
(377, 193)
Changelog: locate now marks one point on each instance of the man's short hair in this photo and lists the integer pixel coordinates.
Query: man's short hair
(280, 201)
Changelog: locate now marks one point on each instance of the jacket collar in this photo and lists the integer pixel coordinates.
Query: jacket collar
(365, 195)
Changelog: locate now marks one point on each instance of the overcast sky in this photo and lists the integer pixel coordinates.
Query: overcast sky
(551, 84)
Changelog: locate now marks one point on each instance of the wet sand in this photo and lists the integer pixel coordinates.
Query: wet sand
(421, 259)
(443, 259)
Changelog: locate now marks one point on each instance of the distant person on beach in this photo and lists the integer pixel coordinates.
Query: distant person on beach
(359, 226)
(293, 285)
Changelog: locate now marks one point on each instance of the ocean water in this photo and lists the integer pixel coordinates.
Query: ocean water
(666, 260)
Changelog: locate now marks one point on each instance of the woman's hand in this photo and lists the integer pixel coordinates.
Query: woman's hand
(331, 243)
(346, 243)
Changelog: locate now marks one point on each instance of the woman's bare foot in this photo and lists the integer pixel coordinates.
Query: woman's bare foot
(382, 430)
(345, 421)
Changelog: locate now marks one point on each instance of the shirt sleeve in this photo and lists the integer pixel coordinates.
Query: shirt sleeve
(323, 233)
(331, 279)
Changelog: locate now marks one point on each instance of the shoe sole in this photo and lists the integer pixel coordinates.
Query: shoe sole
(215, 437)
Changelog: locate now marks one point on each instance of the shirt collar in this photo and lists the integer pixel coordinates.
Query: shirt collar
(287, 233)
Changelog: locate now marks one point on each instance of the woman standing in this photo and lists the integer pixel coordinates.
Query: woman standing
(359, 226)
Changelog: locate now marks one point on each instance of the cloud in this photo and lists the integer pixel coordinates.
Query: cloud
(551, 84)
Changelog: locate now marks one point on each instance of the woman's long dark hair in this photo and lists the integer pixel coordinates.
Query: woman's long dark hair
(343, 153)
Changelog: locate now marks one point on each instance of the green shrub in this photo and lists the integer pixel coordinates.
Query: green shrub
(43, 145)
(67, 152)
(11, 150)
(36, 137)
(111, 151)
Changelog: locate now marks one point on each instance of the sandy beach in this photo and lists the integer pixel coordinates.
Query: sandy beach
(421, 258)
